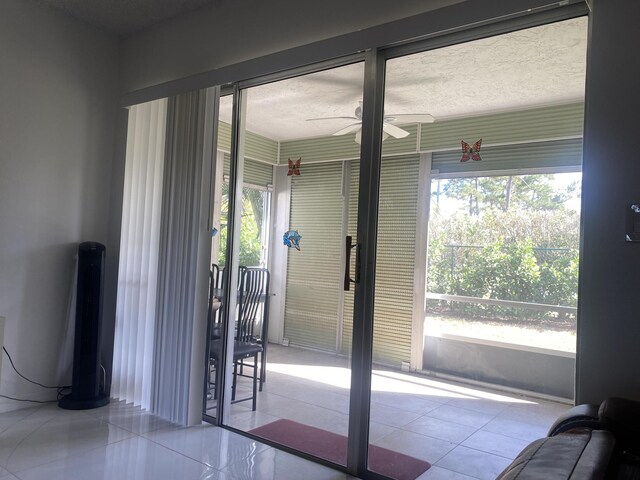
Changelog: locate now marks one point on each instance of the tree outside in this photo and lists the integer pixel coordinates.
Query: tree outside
(508, 238)
(505, 193)
(250, 226)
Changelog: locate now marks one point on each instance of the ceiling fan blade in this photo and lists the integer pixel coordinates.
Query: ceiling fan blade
(332, 118)
(354, 127)
(395, 132)
(410, 118)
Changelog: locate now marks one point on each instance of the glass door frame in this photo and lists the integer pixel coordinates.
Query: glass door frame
(230, 274)
(368, 198)
(371, 156)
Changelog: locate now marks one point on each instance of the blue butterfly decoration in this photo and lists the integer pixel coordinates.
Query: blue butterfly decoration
(292, 239)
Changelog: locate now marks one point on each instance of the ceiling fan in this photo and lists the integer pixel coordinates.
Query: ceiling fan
(388, 129)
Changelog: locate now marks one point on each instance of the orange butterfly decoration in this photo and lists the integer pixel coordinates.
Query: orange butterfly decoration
(469, 152)
(294, 167)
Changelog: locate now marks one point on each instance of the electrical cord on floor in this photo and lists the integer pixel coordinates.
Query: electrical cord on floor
(27, 379)
(60, 389)
(27, 400)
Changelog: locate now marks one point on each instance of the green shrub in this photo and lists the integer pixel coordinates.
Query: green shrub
(494, 256)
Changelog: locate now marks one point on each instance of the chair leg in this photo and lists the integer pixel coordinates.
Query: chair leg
(210, 385)
(215, 383)
(263, 366)
(233, 383)
(255, 381)
(207, 385)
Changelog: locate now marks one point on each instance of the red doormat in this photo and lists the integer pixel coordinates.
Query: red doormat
(333, 447)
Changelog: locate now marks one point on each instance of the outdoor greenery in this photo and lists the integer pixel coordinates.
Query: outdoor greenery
(507, 238)
(250, 226)
(531, 192)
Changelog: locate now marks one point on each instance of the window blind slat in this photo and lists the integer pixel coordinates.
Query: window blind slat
(255, 172)
(314, 275)
(553, 154)
(395, 262)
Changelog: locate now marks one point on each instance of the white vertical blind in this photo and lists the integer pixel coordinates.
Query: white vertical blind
(138, 269)
(182, 269)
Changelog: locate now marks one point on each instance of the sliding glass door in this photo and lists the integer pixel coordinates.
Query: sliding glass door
(289, 186)
(487, 200)
(318, 339)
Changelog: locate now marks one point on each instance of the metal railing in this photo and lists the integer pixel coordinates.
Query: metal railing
(502, 303)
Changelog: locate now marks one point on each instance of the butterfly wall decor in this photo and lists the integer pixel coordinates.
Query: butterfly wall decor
(292, 239)
(469, 152)
(294, 167)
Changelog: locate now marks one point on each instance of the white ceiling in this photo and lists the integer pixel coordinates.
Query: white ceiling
(125, 16)
(535, 67)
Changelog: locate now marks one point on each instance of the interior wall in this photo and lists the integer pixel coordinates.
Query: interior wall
(229, 32)
(608, 320)
(58, 97)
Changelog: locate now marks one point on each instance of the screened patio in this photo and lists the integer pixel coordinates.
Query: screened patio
(309, 307)
(475, 254)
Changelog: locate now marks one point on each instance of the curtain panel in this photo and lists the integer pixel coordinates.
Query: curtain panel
(185, 247)
(165, 255)
(138, 263)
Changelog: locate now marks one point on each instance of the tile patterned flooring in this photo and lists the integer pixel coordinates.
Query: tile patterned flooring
(466, 433)
(120, 441)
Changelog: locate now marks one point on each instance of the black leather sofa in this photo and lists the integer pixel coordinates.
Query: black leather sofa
(588, 442)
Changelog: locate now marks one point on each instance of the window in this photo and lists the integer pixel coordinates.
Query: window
(503, 259)
(254, 229)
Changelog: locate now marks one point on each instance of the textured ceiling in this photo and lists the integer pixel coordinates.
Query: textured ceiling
(535, 67)
(125, 16)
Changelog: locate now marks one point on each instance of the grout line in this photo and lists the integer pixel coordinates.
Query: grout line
(200, 426)
(40, 465)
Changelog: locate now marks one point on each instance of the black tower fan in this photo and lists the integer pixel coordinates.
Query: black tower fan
(86, 390)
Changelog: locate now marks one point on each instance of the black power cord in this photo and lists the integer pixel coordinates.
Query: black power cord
(60, 389)
(27, 400)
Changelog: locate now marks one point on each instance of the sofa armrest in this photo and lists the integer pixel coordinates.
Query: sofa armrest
(580, 455)
(580, 416)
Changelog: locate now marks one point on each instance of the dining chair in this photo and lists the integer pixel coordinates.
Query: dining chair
(251, 332)
(254, 313)
(215, 283)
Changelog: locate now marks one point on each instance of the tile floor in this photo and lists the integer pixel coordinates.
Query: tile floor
(120, 441)
(466, 433)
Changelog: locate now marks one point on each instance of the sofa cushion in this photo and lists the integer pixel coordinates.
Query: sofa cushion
(580, 454)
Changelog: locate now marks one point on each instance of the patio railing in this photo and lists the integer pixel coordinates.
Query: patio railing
(502, 303)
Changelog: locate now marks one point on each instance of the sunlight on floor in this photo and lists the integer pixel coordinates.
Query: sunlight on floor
(335, 376)
(389, 381)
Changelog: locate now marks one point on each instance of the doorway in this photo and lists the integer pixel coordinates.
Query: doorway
(326, 380)
(480, 221)
(285, 195)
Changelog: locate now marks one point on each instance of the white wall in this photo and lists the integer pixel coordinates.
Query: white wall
(58, 97)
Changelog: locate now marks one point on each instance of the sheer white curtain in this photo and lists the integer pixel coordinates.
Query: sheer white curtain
(138, 270)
